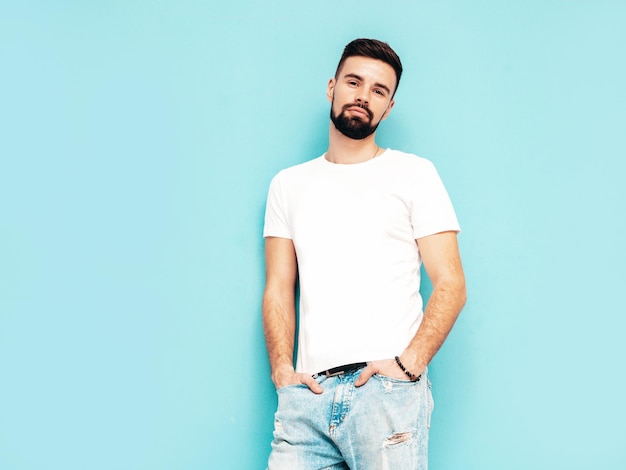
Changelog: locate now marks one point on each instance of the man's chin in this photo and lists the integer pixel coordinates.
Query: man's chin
(356, 127)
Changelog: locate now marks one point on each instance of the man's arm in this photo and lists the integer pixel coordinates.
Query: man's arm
(440, 255)
(279, 313)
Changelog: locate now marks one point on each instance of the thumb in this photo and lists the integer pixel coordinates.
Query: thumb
(313, 385)
(365, 375)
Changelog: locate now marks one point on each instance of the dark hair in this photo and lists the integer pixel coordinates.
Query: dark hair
(374, 49)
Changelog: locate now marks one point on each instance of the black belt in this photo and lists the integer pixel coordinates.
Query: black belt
(341, 369)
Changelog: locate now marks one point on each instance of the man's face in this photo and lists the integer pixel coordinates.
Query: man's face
(361, 96)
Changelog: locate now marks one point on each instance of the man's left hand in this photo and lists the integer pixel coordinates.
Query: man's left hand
(386, 367)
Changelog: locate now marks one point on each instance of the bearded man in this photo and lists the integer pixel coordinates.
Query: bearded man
(351, 229)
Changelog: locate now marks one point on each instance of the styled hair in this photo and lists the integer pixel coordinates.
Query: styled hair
(374, 49)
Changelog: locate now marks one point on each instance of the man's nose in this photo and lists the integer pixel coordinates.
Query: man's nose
(362, 98)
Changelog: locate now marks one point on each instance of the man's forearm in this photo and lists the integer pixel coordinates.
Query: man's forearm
(279, 326)
(442, 310)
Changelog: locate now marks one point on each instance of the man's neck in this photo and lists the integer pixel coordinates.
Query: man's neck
(344, 150)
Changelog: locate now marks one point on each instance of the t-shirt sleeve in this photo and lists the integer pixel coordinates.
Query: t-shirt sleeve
(275, 212)
(431, 209)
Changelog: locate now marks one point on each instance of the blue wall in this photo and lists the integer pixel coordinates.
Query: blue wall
(137, 141)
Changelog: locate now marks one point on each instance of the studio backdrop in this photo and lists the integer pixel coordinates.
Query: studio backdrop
(137, 143)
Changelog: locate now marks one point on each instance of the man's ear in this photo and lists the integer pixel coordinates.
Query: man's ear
(386, 113)
(330, 89)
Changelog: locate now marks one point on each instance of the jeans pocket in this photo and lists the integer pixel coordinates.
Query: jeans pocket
(395, 379)
(286, 388)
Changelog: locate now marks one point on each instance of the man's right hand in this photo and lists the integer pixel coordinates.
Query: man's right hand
(294, 378)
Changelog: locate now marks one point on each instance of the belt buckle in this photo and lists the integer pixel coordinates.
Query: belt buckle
(329, 374)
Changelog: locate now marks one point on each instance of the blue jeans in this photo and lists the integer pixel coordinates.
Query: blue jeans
(382, 425)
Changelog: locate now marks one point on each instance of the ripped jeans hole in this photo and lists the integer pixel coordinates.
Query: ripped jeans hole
(398, 438)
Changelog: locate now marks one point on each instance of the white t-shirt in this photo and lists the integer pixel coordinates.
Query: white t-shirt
(354, 229)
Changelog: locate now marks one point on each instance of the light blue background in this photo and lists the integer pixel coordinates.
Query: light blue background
(137, 141)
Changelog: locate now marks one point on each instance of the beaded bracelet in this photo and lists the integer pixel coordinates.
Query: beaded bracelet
(410, 375)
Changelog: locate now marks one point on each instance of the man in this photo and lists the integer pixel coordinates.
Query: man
(352, 227)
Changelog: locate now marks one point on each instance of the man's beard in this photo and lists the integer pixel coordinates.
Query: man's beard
(353, 127)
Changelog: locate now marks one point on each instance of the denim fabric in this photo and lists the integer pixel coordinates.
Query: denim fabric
(382, 425)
